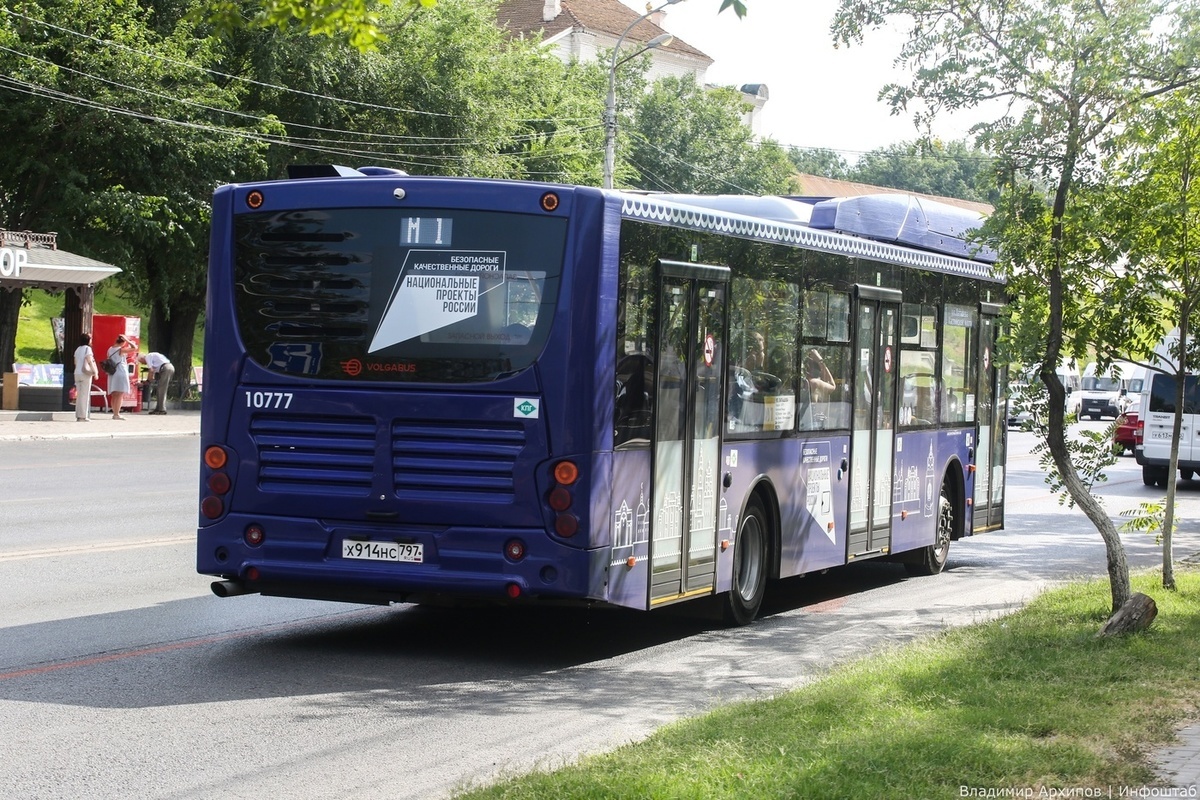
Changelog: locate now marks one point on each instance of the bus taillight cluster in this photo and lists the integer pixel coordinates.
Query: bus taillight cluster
(560, 498)
(218, 483)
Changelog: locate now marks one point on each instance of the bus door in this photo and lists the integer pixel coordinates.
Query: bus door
(991, 429)
(872, 430)
(689, 383)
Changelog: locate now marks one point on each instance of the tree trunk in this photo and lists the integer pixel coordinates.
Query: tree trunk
(1136, 615)
(182, 333)
(10, 312)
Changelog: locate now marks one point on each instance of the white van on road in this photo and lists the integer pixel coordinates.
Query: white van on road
(1107, 393)
(1018, 414)
(1158, 419)
(1158, 422)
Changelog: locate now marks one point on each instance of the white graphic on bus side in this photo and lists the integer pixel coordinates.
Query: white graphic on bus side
(437, 288)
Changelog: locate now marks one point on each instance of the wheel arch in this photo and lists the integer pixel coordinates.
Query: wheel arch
(768, 499)
(956, 489)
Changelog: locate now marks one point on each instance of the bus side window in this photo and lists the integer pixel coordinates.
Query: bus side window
(634, 405)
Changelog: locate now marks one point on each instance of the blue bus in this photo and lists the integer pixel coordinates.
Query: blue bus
(429, 389)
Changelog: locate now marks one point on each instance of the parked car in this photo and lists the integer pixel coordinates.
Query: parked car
(1124, 435)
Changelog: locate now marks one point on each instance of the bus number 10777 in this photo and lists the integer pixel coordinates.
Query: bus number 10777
(268, 399)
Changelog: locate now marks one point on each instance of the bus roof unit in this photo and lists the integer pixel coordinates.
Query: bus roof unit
(904, 219)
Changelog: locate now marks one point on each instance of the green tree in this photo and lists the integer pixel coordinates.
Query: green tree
(930, 167)
(448, 94)
(362, 23)
(819, 161)
(120, 142)
(1153, 201)
(1072, 72)
(684, 138)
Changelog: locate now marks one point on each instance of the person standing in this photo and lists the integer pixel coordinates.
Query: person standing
(118, 382)
(161, 372)
(85, 371)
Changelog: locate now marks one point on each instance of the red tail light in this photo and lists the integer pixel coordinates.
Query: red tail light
(1138, 430)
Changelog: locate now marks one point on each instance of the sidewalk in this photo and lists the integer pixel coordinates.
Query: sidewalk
(1179, 765)
(18, 426)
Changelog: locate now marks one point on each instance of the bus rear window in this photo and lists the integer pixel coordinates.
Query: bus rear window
(425, 295)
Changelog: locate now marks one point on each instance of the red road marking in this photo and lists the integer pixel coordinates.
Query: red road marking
(167, 648)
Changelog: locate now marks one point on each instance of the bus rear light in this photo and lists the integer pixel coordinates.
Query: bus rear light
(255, 199)
(212, 507)
(252, 574)
(549, 201)
(215, 457)
(566, 525)
(254, 535)
(514, 549)
(560, 499)
(218, 483)
(566, 473)
(513, 590)
(1139, 430)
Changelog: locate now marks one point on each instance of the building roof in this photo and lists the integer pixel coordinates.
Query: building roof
(604, 17)
(815, 186)
(34, 260)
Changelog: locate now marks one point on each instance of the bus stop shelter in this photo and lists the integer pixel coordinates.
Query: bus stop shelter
(34, 261)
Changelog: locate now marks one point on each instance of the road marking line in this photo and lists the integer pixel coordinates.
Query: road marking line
(111, 547)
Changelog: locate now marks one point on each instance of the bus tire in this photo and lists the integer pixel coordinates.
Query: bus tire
(1149, 477)
(749, 566)
(1186, 474)
(932, 559)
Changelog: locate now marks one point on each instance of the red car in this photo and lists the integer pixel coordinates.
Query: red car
(1125, 436)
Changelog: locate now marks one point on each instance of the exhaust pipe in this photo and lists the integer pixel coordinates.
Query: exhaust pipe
(231, 588)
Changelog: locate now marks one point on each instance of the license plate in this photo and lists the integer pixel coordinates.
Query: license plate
(383, 551)
(1160, 434)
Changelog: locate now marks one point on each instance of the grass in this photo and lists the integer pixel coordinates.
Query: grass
(1031, 702)
(35, 337)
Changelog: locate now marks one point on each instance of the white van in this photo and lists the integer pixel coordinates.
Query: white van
(1158, 423)
(1067, 374)
(1106, 393)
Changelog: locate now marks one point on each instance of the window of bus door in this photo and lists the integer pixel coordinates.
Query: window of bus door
(826, 331)
(633, 400)
(960, 359)
(918, 366)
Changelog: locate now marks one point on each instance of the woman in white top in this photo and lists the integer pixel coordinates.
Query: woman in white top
(118, 382)
(85, 371)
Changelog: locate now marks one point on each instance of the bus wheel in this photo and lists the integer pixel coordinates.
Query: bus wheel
(749, 566)
(932, 559)
(1186, 474)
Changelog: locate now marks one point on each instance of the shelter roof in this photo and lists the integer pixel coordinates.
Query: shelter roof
(29, 260)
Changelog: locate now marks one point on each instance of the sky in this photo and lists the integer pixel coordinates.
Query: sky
(819, 96)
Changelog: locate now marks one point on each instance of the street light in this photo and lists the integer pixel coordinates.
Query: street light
(610, 108)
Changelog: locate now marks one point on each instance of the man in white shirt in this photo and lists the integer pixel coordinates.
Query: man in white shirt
(161, 372)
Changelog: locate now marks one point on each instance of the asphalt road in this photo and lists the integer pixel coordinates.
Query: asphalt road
(121, 675)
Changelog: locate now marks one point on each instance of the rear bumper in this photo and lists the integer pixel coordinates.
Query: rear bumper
(303, 558)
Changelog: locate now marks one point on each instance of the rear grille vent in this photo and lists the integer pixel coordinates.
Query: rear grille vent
(456, 461)
(316, 455)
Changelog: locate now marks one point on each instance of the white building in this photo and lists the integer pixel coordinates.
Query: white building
(582, 29)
